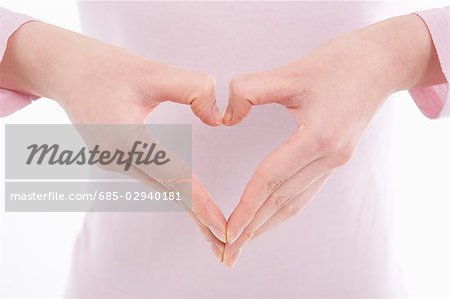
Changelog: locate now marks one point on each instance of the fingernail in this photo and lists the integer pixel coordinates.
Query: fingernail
(234, 257)
(219, 234)
(218, 252)
(216, 114)
(227, 116)
(232, 237)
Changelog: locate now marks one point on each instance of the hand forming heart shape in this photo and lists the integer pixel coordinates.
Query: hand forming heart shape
(333, 92)
(330, 122)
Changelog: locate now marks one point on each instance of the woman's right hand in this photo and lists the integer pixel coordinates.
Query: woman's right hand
(97, 83)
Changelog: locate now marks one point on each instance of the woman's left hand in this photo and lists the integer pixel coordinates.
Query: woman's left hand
(333, 92)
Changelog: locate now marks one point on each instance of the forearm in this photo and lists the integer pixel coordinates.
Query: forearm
(45, 60)
(49, 61)
(410, 56)
(29, 61)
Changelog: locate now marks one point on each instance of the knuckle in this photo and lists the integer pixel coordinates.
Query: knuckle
(328, 142)
(273, 184)
(343, 155)
(248, 234)
(199, 107)
(290, 211)
(279, 200)
(270, 183)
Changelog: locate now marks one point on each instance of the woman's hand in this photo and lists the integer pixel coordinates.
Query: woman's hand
(333, 92)
(97, 83)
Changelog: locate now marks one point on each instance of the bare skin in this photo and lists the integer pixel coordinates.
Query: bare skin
(333, 92)
(97, 83)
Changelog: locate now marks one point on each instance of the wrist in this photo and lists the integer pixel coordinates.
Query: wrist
(407, 55)
(52, 62)
(24, 61)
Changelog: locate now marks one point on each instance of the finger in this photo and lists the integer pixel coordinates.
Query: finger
(176, 175)
(274, 86)
(197, 200)
(209, 219)
(190, 88)
(206, 210)
(293, 208)
(294, 154)
(291, 189)
(216, 244)
(233, 251)
(135, 173)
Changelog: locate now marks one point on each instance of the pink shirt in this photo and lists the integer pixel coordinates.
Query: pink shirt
(11, 101)
(433, 100)
(339, 247)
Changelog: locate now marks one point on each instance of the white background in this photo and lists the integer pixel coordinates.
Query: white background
(35, 248)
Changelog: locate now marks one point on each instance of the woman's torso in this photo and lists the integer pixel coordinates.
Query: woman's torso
(338, 247)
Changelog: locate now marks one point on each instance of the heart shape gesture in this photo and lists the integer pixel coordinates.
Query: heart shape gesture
(333, 92)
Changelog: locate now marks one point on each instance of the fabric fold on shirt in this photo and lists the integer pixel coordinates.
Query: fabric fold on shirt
(433, 100)
(10, 100)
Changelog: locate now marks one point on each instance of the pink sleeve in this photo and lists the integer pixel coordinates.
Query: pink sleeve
(434, 100)
(11, 101)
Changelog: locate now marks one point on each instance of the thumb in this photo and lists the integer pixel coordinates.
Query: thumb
(190, 88)
(274, 86)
